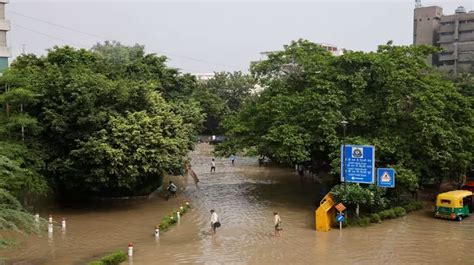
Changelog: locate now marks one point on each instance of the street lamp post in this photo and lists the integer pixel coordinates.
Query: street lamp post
(344, 125)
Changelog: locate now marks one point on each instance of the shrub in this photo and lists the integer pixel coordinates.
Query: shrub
(364, 221)
(399, 211)
(413, 206)
(114, 258)
(375, 218)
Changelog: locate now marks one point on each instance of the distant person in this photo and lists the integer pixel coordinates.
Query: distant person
(277, 224)
(172, 188)
(260, 161)
(214, 221)
(213, 165)
(232, 159)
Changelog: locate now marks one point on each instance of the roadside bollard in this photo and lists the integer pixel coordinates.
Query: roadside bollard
(37, 217)
(63, 223)
(130, 249)
(187, 203)
(50, 219)
(178, 215)
(157, 232)
(50, 228)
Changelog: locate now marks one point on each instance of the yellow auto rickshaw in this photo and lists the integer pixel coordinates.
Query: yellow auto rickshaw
(455, 204)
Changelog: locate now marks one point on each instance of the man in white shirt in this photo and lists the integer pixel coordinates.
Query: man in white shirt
(277, 224)
(214, 221)
(213, 165)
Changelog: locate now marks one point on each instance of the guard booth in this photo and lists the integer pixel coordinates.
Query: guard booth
(325, 214)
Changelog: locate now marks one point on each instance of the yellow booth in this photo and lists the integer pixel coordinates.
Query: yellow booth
(325, 214)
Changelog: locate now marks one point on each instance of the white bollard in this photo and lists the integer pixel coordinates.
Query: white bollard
(178, 215)
(63, 223)
(187, 203)
(37, 217)
(130, 249)
(50, 219)
(50, 228)
(157, 232)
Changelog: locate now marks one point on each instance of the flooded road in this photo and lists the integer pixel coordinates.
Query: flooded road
(245, 197)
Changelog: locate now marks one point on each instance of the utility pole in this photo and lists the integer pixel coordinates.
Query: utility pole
(344, 125)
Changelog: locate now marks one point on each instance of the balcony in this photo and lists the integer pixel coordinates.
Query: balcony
(466, 36)
(466, 26)
(446, 28)
(4, 24)
(446, 38)
(446, 57)
(5, 52)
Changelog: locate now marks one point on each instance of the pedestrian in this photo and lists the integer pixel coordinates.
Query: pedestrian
(260, 161)
(277, 224)
(172, 188)
(213, 165)
(232, 159)
(214, 221)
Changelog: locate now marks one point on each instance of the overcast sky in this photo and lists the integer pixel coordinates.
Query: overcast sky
(203, 36)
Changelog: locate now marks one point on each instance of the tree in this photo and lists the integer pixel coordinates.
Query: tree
(80, 98)
(417, 120)
(223, 95)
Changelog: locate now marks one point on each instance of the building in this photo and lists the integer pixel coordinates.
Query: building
(4, 28)
(203, 77)
(453, 33)
(333, 49)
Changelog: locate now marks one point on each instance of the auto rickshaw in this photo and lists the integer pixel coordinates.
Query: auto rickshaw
(455, 204)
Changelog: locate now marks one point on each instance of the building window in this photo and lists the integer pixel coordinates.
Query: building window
(428, 18)
(420, 19)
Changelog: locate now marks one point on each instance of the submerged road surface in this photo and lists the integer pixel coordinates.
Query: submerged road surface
(244, 197)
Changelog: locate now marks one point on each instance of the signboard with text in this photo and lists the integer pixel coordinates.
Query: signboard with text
(358, 164)
(386, 177)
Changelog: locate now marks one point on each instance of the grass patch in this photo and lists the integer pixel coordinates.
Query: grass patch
(114, 258)
(168, 221)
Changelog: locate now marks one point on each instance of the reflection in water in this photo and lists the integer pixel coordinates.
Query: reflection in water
(245, 197)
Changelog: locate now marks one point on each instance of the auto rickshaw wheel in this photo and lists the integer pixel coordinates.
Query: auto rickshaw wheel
(459, 218)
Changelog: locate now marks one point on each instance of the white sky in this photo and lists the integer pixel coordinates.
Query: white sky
(212, 36)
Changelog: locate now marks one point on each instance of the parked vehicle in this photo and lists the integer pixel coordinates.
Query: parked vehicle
(468, 186)
(455, 204)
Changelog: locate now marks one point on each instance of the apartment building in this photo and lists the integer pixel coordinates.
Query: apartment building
(4, 28)
(454, 33)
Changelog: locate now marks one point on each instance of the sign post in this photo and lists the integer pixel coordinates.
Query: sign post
(386, 177)
(340, 216)
(358, 164)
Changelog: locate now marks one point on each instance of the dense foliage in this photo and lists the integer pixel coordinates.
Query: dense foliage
(108, 121)
(419, 122)
(223, 95)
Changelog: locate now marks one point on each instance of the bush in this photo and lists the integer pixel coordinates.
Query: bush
(375, 218)
(399, 211)
(114, 258)
(358, 221)
(167, 221)
(413, 206)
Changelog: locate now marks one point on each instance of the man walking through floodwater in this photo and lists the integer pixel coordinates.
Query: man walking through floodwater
(213, 165)
(277, 224)
(232, 159)
(214, 221)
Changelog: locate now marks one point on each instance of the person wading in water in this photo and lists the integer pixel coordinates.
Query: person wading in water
(213, 165)
(277, 224)
(214, 221)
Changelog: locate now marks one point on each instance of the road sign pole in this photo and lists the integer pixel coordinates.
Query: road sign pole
(340, 226)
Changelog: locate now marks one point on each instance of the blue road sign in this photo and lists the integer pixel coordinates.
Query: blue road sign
(340, 217)
(358, 163)
(386, 177)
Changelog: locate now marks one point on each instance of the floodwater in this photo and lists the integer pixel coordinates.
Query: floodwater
(244, 197)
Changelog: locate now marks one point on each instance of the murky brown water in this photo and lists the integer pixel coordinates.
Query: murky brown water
(245, 197)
